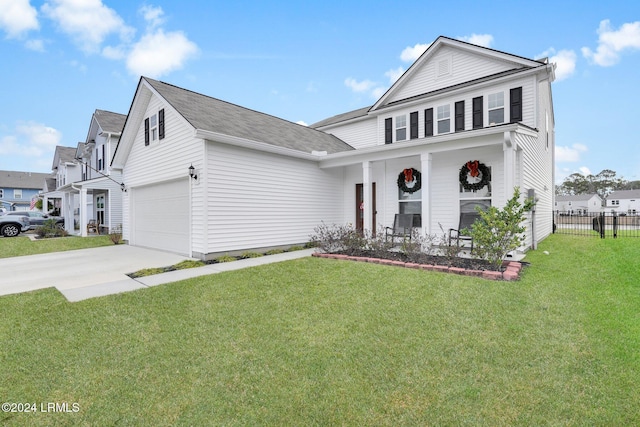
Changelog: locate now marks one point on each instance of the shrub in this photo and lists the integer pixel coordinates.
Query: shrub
(250, 255)
(499, 231)
(49, 229)
(226, 258)
(116, 235)
(338, 238)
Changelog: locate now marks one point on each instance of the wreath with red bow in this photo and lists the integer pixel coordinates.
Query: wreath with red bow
(407, 176)
(474, 175)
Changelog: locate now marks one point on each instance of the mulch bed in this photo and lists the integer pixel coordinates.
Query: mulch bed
(510, 270)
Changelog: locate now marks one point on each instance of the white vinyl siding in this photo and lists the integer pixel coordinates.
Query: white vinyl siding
(259, 200)
(465, 66)
(359, 134)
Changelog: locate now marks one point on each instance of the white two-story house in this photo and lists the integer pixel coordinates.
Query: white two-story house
(95, 185)
(461, 128)
(624, 202)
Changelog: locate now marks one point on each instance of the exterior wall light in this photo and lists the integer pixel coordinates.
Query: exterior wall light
(192, 172)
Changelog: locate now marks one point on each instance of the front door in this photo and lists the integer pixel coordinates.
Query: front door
(360, 207)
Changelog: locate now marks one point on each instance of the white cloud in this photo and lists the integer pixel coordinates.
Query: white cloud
(35, 45)
(31, 139)
(612, 42)
(160, 53)
(356, 86)
(585, 170)
(88, 22)
(565, 61)
(394, 75)
(569, 154)
(411, 53)
(302, 122)
(17, 17)
(153, 15)
(485, 40)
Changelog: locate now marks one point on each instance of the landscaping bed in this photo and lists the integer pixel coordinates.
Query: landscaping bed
(510, 270)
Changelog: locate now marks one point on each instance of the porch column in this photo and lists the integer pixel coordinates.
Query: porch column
(45, 203)
(509, 150)
(425, 162)
(83, 212)
(67, 211)
(366, 196)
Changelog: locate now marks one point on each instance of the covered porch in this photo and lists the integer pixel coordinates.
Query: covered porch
(435, 179)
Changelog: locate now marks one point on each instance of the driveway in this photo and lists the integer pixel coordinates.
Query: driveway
(84, 268)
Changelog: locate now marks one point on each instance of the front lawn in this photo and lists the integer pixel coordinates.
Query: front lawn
(327, 342)
(22, 245)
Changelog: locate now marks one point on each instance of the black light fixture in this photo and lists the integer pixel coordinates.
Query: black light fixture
(192, 172)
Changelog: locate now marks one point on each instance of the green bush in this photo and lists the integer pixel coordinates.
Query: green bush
(250, 255)
(49, 229)
(499, 231)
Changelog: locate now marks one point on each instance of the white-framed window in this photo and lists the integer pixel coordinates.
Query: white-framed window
(401, 128)
(153, 127)
(496, 108)
(411, 203)
(444, 119)
(17, 193)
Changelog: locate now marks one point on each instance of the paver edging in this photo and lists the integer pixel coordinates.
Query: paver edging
(511, 271)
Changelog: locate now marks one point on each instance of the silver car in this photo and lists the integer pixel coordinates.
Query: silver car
(37, 219)
(12, 225)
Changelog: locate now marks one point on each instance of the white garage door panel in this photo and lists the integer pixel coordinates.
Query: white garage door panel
(161, 216)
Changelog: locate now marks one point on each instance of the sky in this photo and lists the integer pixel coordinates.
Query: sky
(305, 61)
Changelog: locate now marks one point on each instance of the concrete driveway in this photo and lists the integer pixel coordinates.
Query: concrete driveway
(80, 269)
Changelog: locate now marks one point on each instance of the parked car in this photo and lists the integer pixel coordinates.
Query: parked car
(38, 218)
(12, 225)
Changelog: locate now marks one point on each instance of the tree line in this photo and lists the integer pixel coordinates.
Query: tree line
(602, 184)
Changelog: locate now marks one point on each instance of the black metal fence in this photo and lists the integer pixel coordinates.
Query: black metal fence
(603, 225)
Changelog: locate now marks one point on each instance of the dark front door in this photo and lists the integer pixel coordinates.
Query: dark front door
(360, 207)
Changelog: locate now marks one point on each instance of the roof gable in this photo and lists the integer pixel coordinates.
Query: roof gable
(205, 113)
(63, 155)
(110, 122)
(448, 62)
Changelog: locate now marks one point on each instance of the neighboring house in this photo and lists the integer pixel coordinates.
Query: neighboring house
(580, 204)
(18, 189)
(461, 128)
(66, 170)
(98, 186)
(624, 202)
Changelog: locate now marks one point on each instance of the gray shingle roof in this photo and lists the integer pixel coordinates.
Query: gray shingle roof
(211, 114)
(624, 194)
(14, 179)
(574, 198)
(342, 117)
(66, 154)
(110, 122)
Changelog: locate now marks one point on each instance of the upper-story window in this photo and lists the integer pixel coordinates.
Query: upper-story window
(496, 108)
(154, 127)
(17, 193)
(401, 128)
(444, 119)
(1, 193)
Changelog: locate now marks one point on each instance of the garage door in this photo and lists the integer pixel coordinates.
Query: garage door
(161, 216)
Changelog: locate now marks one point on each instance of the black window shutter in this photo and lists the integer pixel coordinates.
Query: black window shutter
(161, 124)
(477, 112)
(388, 131)
(428, 122)
(146, 131)
(104, 158)
(516, 104)
(459, 111)
(413, 125)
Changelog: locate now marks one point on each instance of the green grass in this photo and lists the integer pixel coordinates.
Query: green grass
(22, 245)
(327, 342)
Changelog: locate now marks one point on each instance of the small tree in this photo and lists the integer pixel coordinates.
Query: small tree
(499, 231)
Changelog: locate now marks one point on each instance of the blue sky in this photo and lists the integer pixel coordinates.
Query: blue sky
(305, 61)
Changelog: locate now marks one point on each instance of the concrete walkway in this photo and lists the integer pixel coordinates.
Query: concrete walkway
(95, 272)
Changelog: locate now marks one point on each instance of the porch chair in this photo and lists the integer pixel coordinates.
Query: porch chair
(466, 221)
(402, 227)
(92, 225)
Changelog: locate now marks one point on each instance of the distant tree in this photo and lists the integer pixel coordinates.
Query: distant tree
(603, 184)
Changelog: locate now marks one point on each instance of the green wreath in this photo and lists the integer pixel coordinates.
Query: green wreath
(474, 168)
(410, 175)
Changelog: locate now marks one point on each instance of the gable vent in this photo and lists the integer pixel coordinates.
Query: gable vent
(444, 67)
